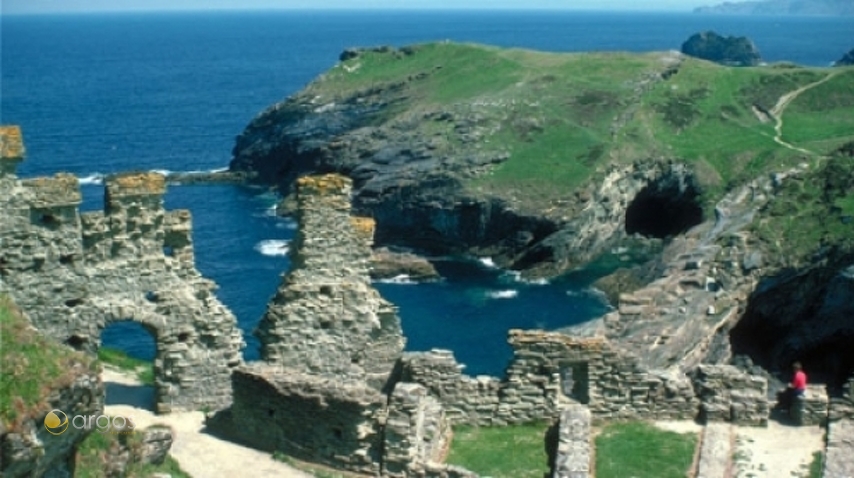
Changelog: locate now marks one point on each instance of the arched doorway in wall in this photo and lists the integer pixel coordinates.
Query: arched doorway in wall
(127, 352)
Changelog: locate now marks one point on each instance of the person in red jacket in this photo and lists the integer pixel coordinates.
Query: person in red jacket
(799, 380)
(796, 389)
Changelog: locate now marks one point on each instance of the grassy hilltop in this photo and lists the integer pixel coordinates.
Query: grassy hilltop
(559, 116)
(505, 152)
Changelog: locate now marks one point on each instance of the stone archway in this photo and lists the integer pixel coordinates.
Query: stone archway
(127, 344)
(77, 273)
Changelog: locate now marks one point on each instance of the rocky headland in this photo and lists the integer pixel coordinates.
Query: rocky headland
(549, 160)
(541, 161)
(782, 7)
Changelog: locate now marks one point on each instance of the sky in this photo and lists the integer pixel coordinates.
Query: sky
(79, 6)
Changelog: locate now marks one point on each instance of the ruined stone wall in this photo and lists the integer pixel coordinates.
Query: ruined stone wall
(324, 420)
(730, 395)
(76, 274)
(466, 399)
(326, 318)
(416, 432)
(330, 345)
(574, 450)
(842, 407)
(548, 372)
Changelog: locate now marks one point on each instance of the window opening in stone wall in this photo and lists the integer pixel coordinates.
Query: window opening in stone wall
(76, 342)
(73, 302)
(168, 251)
(575, 381)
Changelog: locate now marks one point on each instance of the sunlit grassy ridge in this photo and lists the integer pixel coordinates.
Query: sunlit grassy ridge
(561, 116)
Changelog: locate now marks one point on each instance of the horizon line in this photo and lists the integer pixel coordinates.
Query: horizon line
(348, 9)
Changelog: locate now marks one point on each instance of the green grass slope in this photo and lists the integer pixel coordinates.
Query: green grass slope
(561, 116)
(32, 366)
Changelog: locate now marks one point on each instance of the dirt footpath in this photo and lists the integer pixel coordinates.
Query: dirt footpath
(199, 454)
(779, 451)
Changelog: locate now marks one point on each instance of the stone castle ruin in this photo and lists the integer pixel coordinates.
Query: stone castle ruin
(333, 357)
(334, 385)
(76, 273)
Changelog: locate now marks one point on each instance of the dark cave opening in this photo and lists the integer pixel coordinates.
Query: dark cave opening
(664, 209)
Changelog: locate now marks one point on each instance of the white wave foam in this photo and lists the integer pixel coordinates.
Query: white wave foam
(287, 224)
(169, 172)
(402, 279)
(94, 178)
(488, 262)
(273, 247)
(502, 294)
(516, 276)
(270, 211)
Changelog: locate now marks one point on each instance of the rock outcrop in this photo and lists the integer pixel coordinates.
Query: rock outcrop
(404, 266)
(846, 60)
(75, 274)
(732, 51)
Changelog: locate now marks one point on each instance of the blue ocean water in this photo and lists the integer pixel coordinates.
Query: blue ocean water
(101, 93)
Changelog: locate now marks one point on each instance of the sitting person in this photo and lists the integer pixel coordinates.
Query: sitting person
(796, 389)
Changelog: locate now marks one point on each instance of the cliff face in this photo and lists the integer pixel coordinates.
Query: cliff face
(541, 161)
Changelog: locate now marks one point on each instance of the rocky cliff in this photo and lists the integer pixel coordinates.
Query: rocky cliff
(539, 160)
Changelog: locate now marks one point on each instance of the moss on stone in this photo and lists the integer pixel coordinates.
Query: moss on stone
(11, 143)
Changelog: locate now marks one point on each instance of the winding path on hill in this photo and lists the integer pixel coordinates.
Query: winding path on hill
(784, 101)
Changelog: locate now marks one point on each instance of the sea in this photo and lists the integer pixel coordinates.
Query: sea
(96, 94)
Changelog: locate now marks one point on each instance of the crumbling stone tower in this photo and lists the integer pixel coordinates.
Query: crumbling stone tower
(75, 274)
(325, 390)
(326, 318)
